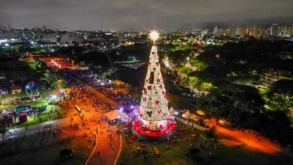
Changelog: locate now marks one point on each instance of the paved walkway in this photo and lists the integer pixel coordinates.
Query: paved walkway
(109, 149)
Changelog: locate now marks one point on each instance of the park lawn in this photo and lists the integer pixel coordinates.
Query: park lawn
(237, 153)
(23, 94)
(62, 112)
(32, 65)
(179, 101)
(30, 121)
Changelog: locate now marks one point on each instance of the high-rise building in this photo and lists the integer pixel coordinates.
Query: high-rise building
(274, 29)
(216, 31)
(58, 38)
(248, 31)
(221, 31)
(286, 30)
(120, 38)
(256, 30)
(232, 31)
(183, 31)
(237, 32)
(242, 30)
(265, 32)
(131, 32)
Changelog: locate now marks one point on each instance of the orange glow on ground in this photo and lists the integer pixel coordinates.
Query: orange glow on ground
(248, 138)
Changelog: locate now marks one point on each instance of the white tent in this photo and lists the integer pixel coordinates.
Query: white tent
(172, 112)
(186, 114)
(115, 114)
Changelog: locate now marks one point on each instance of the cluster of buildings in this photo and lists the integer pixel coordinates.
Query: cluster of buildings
(233, 31)
(42, 34)
(108, 39)
(256, 30)
(270, 76)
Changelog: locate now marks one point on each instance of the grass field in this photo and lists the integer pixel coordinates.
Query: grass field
(32, 65)
(42, 117)
(225, 152)
(179, 102)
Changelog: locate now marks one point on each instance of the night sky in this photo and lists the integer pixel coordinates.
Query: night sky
(142, 14)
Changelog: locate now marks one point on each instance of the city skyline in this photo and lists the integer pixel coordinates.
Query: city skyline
(125, 14)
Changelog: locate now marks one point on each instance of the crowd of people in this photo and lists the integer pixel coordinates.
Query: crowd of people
(58, 64)
(81, 95)
(124, 100)
(118, 92)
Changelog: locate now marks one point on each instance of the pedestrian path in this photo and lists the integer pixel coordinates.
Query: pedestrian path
(108, 145)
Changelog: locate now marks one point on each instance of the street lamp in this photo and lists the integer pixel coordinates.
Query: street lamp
(54, 97)
(188, 62)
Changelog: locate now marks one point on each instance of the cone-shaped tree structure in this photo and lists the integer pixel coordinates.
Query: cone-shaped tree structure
(154, 111)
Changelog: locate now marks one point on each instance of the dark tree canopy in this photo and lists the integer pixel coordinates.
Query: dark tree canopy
(282, 86)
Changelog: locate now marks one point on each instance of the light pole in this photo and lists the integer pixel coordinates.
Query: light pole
(188, 60)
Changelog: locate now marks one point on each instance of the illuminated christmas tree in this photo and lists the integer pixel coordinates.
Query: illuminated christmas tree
(154, 112)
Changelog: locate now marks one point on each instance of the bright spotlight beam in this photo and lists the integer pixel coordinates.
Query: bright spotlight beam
(128, 14)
